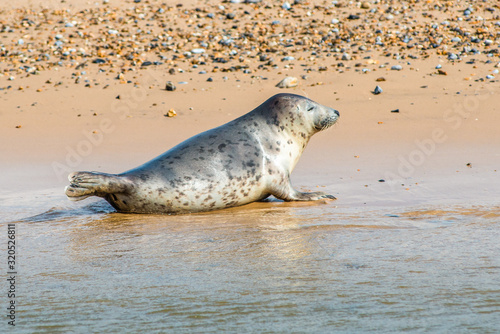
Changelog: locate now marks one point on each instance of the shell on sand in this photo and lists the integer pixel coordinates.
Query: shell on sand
(288, 82)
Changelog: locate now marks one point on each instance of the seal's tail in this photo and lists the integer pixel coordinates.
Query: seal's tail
(85, 184)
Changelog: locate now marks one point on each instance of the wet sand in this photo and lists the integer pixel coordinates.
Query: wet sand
(82, 87)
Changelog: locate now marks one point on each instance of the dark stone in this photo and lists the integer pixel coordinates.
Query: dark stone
(170, 86)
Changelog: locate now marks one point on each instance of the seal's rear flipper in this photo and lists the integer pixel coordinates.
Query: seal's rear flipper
(85, 184)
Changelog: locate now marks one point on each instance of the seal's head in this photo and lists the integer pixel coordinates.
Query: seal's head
(322, 116)
(300, 111)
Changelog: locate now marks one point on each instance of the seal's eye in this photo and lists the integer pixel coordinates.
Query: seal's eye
(310, 108)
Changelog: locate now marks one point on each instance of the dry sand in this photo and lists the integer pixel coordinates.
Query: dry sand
(82, 87)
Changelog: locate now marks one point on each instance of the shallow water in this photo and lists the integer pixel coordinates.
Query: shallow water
(267, 267)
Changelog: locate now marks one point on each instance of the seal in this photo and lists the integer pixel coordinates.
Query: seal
(245, 160)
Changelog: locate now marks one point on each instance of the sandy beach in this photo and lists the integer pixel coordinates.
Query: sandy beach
(80, 88)
(83, 87)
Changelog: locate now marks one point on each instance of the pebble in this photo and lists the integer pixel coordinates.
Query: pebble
(377, 90)
(396, 67)
(286, 6)
(346, 56)
(288, 82)
(198, 51)
(170, 86)
(171, 113)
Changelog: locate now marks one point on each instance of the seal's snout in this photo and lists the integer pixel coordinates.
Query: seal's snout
(336, 113)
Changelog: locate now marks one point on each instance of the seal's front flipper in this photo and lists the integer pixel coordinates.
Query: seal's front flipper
(85, 184)
(287, 193)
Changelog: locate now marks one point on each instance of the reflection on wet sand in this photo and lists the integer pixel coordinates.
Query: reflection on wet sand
(317, 267)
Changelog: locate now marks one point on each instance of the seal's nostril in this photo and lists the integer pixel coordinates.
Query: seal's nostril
(337, 112)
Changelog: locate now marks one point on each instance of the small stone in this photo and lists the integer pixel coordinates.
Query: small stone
(288, 82)
(452, 56)
(396, 67)
(377, 90)
(99, 61)
(170, 86)
(346, 56)
(442, 72)
(210, 79)
(230, 16)
(353, 17)
(198, 51)
(380, 79)
(18, 126)
(171, 113)
(365, 5)
(395, 110)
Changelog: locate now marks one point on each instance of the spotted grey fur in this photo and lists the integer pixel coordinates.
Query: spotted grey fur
(245, 160)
